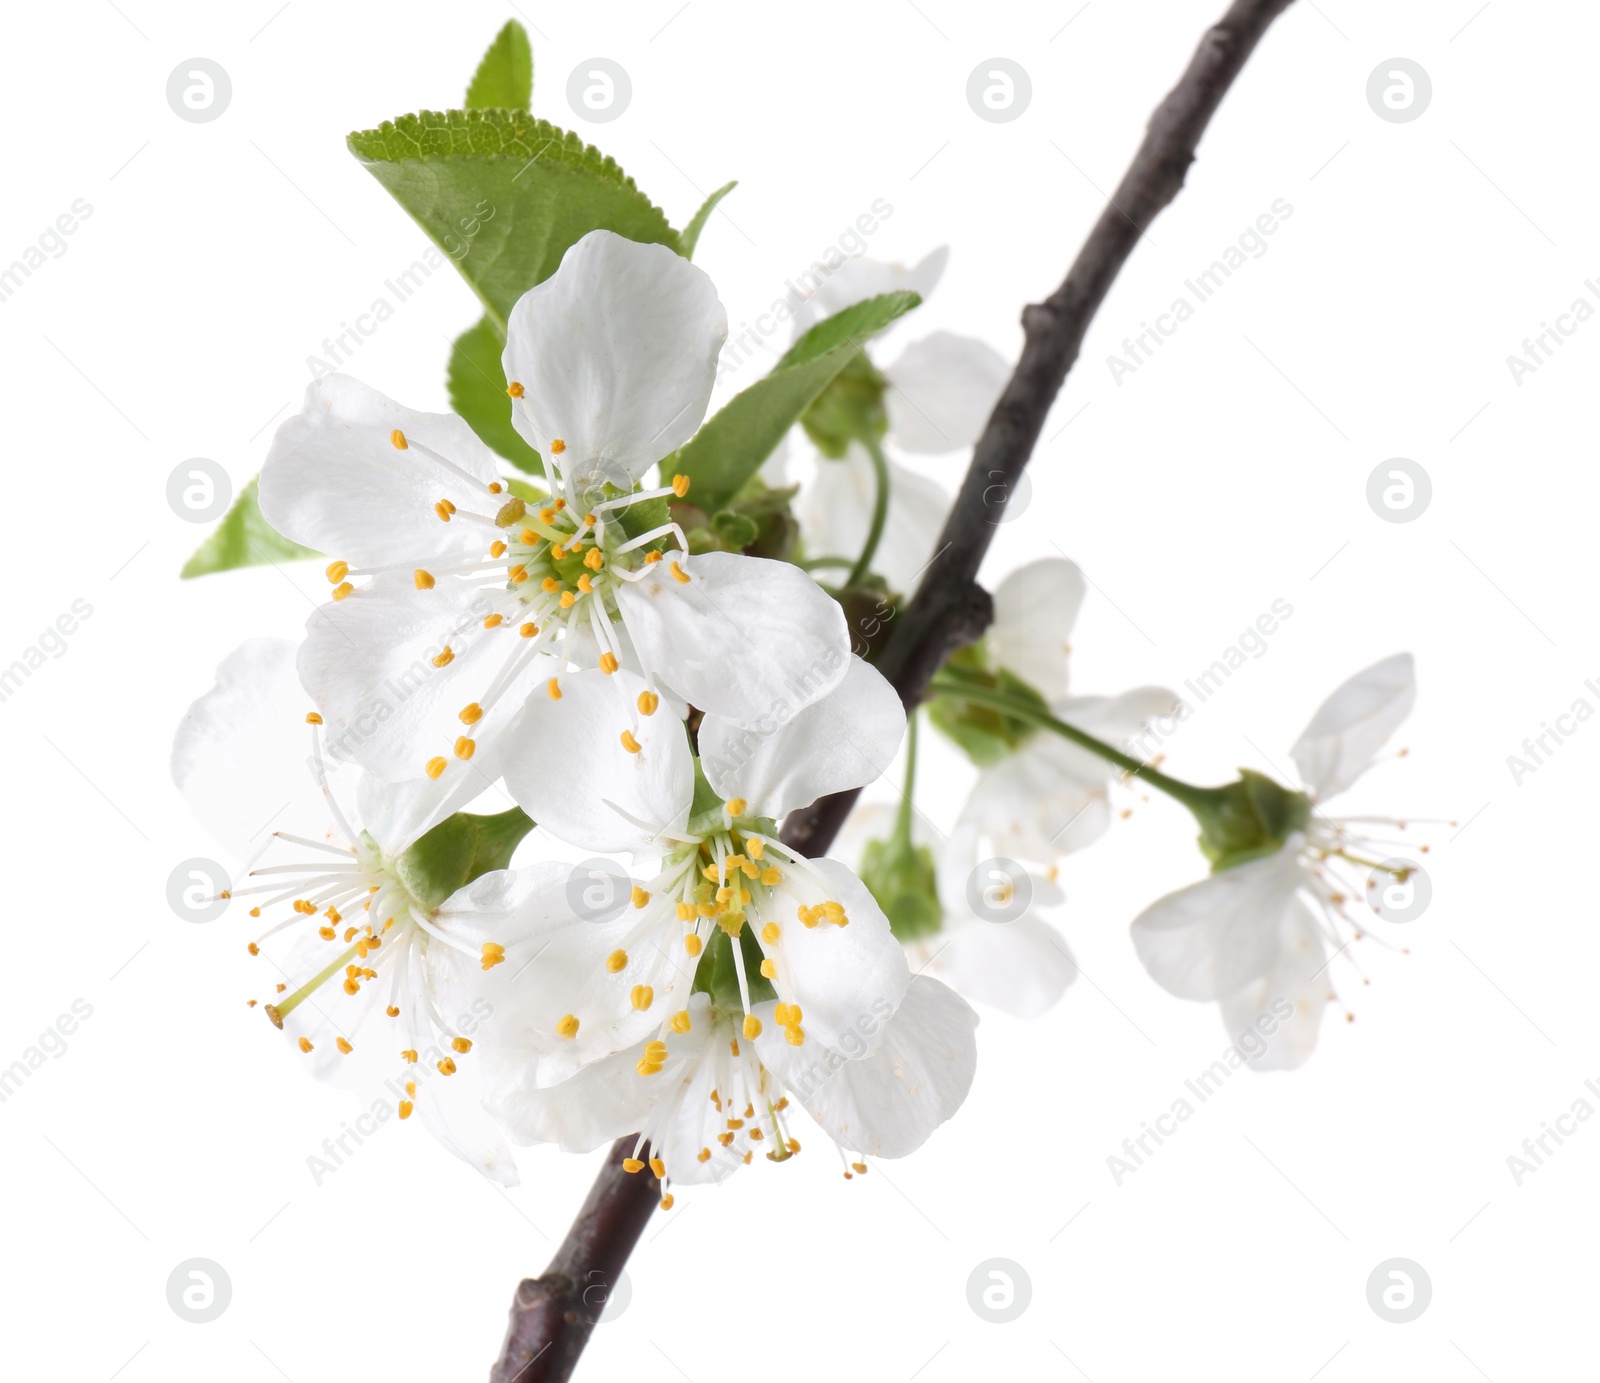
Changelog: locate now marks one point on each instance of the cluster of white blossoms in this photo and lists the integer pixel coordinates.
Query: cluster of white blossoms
(558, 651)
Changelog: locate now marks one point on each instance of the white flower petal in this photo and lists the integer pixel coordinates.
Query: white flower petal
(744, 637)
(845, 740)
(1274, 1021)
(567, 766)
(603, 1101)
(1211, 939)
(1354, 723)
(886, 1104)
(1047, 800)
(617, 352)
(369, 661)
(1034, 611)
(1021, 967)
(847, 980)
(242, 753)
(334, 480)
(941, 392)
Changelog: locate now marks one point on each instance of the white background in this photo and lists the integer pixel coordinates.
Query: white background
(1226, 473)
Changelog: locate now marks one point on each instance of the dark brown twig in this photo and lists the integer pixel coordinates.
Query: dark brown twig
(551, 1319)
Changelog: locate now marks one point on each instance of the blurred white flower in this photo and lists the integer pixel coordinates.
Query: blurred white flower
(1255, 937)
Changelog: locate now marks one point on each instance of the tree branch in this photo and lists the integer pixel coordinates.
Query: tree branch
(950, 609)
(551, 1317)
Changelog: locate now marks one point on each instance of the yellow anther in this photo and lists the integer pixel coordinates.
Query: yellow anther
(471, 714)
(793, 1036)
(616, 961)
(771, 932)
(769, 968)
(771, 875)
(434, 767)
(755, 848)
(461, 1044)
(312, 718)
(493, 954)
(680, 485)
(528, 630)
(445, 657)
(608, 662)
(647, 703)
(553, 688)
(495, 487)
(629, 743)
(584, 584)
(398, 439)
(342, 590)
(712, 873)
(752, 1026)
(679, 1022)
(405, 1109)
(594, 559)
(736, 806)
(632, 1164)
(560, 505)
(641, 996)
(658, 1167)
(686, 912)
(557, 446)
(679, 574)
(343, 1044)
(666, 1201)
(447, 1066)
(639, 897)
(337, 571)
(305, 1044)
(692, 943)
(651, 557)
(515, 390)
(704, 1155)
(567, 1027)
(518, 573)
(568, 600)
(647, 1068)
(465, 748)
(443, 510)
(547, 515)
(497, 548)
(251, 946)
(422, 579)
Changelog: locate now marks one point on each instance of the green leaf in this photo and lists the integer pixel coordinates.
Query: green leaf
(730, 448)
(985, 734)
(505, 76)
(244, 538)
(689, 236)
(505, 195)
(477, 384)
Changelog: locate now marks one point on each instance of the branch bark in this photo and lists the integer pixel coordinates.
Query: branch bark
(551, 1316)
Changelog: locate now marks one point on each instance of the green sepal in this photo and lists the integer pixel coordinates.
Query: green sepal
(716, 975)
(243, 538)
(902, 877)
(760, 522)
(458, 850)
(1248, 819)
(986, 735)
(849, 410)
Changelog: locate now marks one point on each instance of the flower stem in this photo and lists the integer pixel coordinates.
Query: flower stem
(1188, 793)
(880, 512)
(902, 824)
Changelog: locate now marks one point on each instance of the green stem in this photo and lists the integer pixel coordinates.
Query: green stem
(880, 512)
(902, 825)
(1188, 793)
